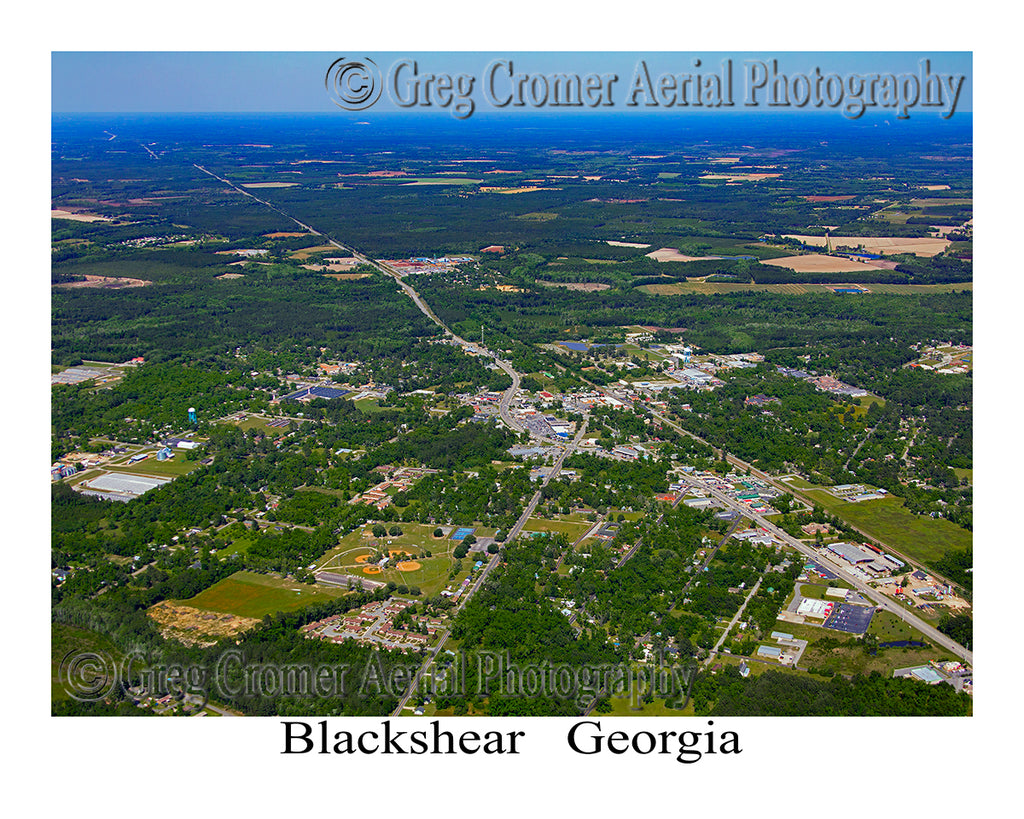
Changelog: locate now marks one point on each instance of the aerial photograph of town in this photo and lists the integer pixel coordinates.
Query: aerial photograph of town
(532, 414)
(602, 415)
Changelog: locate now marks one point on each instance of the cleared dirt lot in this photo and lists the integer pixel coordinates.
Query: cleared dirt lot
(193, 626)
(108, 282)
(670, 254)
(81, 216)
(587, 287)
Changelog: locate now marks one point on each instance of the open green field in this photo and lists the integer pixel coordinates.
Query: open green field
(800, 289)
(236, 547)
(632, 705)
(570, 528)
(964, 473)
(852, 659)
(171, 468)
(886, 626)
(812, 591)
(255, 595)
(864, 402)
(368, 404)
(919, 538)
(253, 422)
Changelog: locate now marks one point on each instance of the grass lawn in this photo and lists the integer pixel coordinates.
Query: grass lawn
(865, 402)
(813, 592)
(571, 529)
(235, 547)
(253, 422)
(887, 627)
(756, 667)
(964, 473)
(920, 538)
(368, 405)
(172, 468)
(632, 705)
(255, 595)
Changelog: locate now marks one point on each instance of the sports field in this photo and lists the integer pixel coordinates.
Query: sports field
(255, 595)
(408, 565)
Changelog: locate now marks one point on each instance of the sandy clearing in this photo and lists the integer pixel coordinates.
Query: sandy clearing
(269, 184)
(879, 244)
(828, 198)
(347, 277)
(333, 267)
(819, 263)
(613, 243)
(283, 235)
(81, 216)
(109, 282)
(587, 287)
(191, 625)
(670, 254)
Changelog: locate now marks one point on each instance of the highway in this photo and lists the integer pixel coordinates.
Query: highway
(881, 600)
(409, 290)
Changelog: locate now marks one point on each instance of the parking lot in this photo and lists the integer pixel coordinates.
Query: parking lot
(852, 619)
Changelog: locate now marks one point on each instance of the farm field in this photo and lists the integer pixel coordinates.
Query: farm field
(254, 595)
(820, 263)
(794, 289)
(879, 244)
(439, 180)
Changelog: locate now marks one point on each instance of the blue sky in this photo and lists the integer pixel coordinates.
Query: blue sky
(294, 81)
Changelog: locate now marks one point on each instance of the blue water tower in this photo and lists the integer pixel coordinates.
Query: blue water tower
(192, 415)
